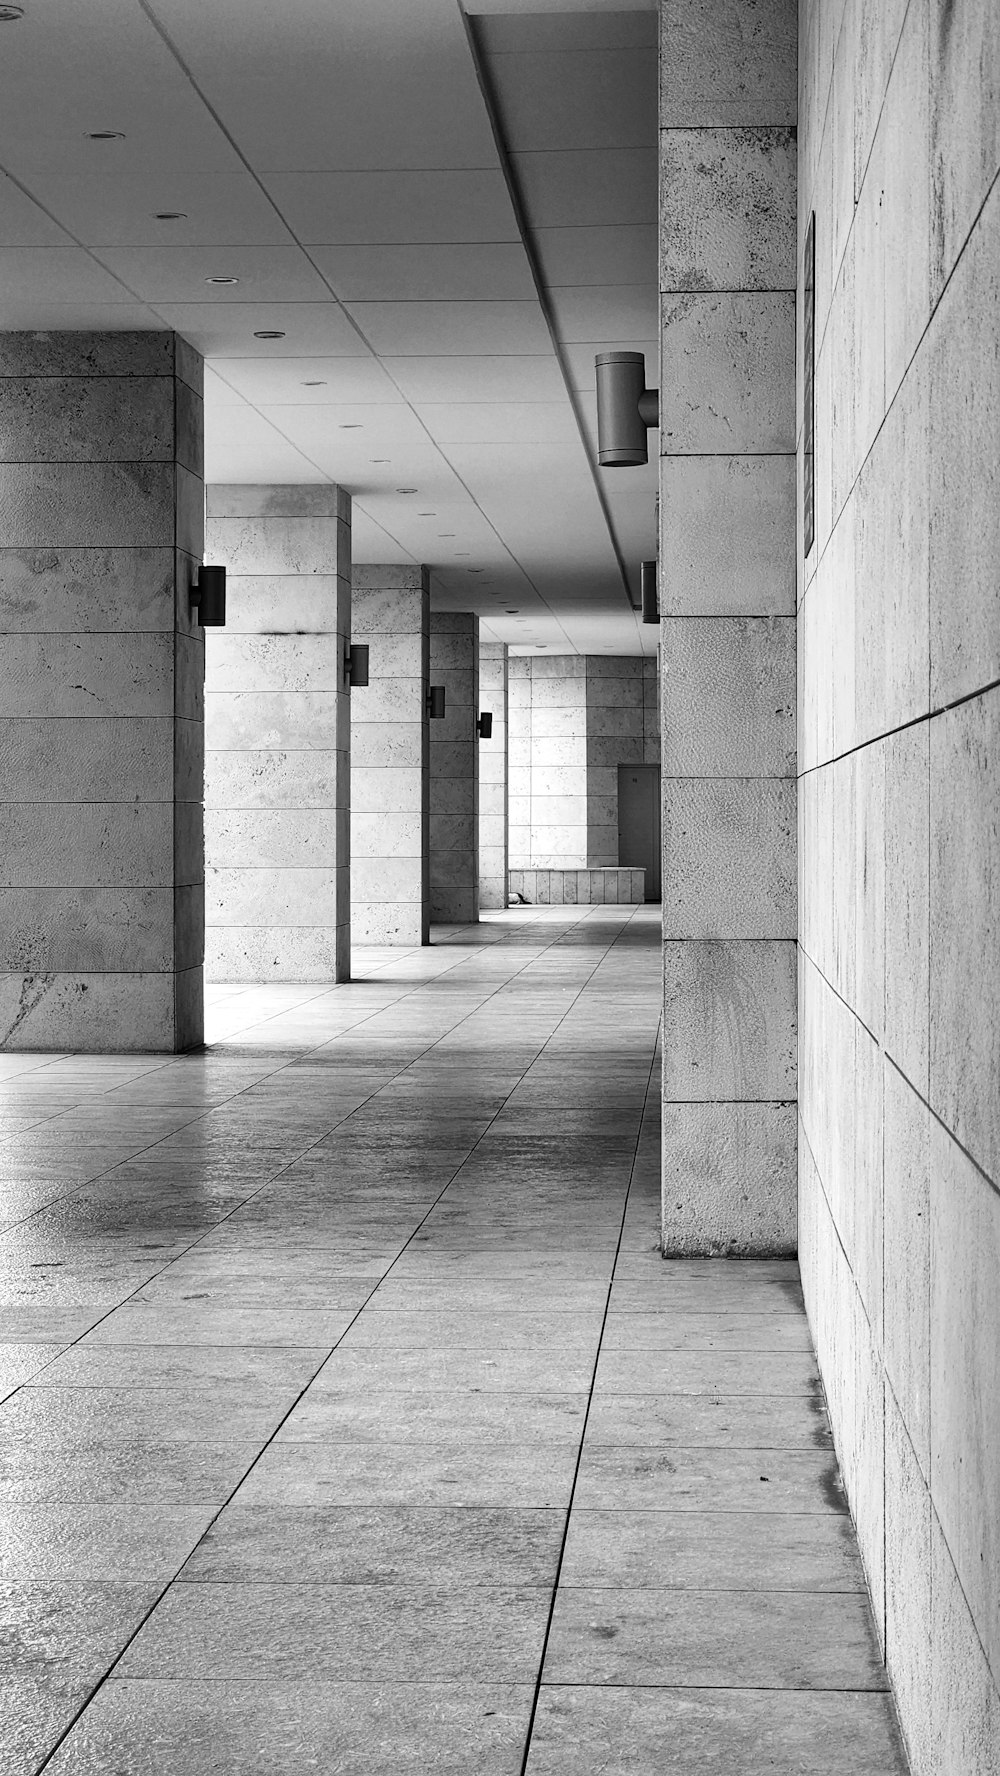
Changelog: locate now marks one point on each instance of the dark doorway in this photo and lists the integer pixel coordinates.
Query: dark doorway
(639, 822)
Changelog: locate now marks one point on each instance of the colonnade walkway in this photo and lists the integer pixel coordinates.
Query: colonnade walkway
(353, 1423)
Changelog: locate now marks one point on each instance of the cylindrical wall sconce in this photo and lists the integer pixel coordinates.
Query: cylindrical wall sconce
(356, 664)
(626, 409)
(208, 596)
(484, 726)
(435, 702)
(647, 586)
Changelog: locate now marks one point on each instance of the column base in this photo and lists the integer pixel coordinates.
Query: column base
(62, 1013)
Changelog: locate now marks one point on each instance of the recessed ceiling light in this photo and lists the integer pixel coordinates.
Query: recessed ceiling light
(475, 570)
(447, 533)
(354, 426)
(407, 490)
(314, 385)
(9, 13)
(512, 610)
(459, 552)
(171, 215)
(380, 459)
(426, 514)
(222, 280)
(105, 135)
(267, 332)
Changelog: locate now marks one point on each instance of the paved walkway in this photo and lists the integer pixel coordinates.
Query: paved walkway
(353, 1423)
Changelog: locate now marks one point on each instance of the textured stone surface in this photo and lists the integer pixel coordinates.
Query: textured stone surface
(728, 209)
(729, 1020)
(101, 707)
(727, 62)
(728, 372)
(745, 566)
(454, 769)
(277, 758)
(390, 758)
(730, 846)
(729, 1179)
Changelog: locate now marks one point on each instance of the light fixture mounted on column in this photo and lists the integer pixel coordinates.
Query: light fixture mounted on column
(356, 664)
(435, 702)
(647, 588)
(484, 726)
(626, 409)
(208, 596)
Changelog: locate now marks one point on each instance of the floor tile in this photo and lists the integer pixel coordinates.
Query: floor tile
(83, 1541)
(437, 1416)
(675, 1732)
(260, 1729)
(709, 1479)
(714, 1639)
(711, 1550)
(412, 1473)
(711, 1420)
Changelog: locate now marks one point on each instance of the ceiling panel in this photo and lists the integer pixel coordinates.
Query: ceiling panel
(401, 206)
(370, 543)
(516, 31)
(411, 99)
(477, 379)
(23, 223)
(605, 313)
(240, 446)
(63, 274)
(228, 329)
(271, 381)
(457, 271)
(219, 208)
(581, 189)
(69, 69)
(584, 99)
(609, 255)
(182, 274)
(428, 329)
(359, 433)
(485, 422)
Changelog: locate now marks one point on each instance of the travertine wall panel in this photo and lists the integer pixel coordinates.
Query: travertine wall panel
(454, 770)
(101, 711)
(493, 850)
(278, 736)
(899, 842)
(728, 629)
(390, 758)
(574, 719)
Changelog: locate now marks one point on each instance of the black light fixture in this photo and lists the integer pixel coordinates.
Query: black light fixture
(626, 409)
(435, 702)
(356, 664)
(208, 597)
(484, 726)
(647, 588)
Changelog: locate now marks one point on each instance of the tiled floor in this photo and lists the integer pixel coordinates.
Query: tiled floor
(354, 1424)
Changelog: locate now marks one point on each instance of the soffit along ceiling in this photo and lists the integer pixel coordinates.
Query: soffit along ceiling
(443, 212)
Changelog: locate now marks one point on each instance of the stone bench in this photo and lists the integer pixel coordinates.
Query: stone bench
(578, 887)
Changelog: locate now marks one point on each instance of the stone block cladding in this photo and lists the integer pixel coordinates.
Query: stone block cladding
(573, 719)
(390, 758)
(899, 848)
(727, 634)
(101, 697)
(493, 777)
(277, 790)
(454, 770)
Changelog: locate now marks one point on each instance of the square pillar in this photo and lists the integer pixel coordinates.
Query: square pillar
(493, 777)
(277, 765)
(727, 601)
(454, 788)
(101, 697)
(390, 758)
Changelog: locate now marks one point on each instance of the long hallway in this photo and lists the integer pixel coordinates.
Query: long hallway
(353, 1422)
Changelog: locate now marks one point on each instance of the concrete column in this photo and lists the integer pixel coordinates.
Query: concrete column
(493, 777)
(101, 715)
(390, 759)
(727, 596)
(278, 737)
(454, 786)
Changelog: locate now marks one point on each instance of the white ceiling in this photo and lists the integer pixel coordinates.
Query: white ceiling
(446, 216)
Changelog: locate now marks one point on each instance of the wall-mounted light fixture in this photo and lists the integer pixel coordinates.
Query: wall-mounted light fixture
(208, 596)
(647, 588)
(435, 702)
(626, 409)
(484, 726)
(356, 664)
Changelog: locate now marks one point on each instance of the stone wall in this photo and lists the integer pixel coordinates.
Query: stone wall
(277, 790)
(573, 719)
(101, 712)
(454, 770)
(390, 758)
(493, 777)
(900, 840)
(727, 602)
